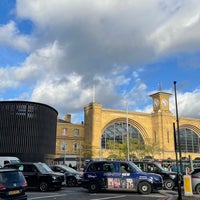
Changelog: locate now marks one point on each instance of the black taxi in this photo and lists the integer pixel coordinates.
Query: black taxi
(119, 175)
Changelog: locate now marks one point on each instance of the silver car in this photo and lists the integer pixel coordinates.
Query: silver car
(72, 177)
(195, 177)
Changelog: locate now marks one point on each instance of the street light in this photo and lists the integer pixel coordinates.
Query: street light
(179, 146)
(127, 133)
(64, 148)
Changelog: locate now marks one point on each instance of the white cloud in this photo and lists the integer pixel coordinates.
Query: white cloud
(180, 32)
(9, 35)
(78, 44)
(188, 104)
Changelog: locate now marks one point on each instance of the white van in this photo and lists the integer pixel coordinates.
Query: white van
(8, 159)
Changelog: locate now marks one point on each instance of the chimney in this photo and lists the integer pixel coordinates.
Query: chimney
(68, 118)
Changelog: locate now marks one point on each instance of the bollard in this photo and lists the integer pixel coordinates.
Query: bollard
(187, 182)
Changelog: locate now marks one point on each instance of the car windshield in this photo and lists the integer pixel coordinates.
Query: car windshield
(160, 167)
(43, 168)
(136, 167)
(69, 169)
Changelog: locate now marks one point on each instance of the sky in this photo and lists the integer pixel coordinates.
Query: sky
(67, 54)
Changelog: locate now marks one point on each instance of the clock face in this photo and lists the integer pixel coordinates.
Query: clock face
(156, 102)
(164, 102)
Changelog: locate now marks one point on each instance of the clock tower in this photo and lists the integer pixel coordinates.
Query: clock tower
(160, 101)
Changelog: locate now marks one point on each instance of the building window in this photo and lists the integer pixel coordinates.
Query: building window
(117, 133)
(189, 140)
(75, 147)
(76, 132)
(64, 131)
(64, 146)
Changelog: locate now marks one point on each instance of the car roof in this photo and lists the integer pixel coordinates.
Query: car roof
(8, 170)
(22, 163)
(108, 161)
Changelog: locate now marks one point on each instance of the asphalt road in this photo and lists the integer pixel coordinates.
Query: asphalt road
(78, 193)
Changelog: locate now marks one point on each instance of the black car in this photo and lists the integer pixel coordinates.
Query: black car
(169, 178)
(72, 177)
(12, 184)
(39, 176)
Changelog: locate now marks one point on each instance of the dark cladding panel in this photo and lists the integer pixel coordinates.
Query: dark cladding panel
(27, 128)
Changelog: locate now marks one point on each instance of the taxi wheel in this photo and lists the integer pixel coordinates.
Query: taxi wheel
(144, 188)
(93, 187)
(168, 184)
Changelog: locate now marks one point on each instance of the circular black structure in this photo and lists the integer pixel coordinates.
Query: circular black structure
(27, 130)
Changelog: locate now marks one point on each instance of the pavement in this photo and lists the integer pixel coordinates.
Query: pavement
(173, 195)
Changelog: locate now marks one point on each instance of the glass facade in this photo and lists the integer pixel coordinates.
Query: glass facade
(117, 132)
(189, 140)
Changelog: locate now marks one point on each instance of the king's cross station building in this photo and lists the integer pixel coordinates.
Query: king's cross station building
(90, 139)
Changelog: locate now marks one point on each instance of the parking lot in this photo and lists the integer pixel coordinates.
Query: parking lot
(73, 193)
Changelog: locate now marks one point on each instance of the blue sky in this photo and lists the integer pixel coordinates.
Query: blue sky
(55, 52)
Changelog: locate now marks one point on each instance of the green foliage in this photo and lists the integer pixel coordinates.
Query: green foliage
(86, 151)
(136, 149)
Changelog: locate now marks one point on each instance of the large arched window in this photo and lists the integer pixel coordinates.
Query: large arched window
(117, 132)
(189, 140)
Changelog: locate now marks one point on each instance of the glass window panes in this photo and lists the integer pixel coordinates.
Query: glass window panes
(64, 131)
(117, 133)
(63, 146)
(76, 132)
(75, 147)
(189, 141)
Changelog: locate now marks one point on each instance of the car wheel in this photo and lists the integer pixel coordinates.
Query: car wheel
(71, 182)
(93, 187)
(43, 187)
(168, 184)
(197, 189)
(144, 188)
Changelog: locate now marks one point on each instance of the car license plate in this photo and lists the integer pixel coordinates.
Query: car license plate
(14, 192)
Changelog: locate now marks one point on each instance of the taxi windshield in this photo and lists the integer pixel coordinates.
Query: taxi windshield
(136, 167)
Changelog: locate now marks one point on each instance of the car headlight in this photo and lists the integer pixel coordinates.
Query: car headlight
(172, 176)
(54, 177)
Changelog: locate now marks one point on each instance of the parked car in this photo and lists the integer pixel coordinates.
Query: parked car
(8, 159)
(195, 179)
(39, 176)
(12, 184)
(120, 176)
(169, 178)
(72, 177)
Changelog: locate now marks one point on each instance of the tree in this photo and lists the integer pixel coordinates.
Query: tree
(136, 149)
(152, 148)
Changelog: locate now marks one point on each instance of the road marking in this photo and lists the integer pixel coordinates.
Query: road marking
(116, 197)
(52, 196)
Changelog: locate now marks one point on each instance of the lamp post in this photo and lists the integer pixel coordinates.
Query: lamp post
(100, 150)
(179, 144)
(127, 134)
(64, 148)
(178, 132)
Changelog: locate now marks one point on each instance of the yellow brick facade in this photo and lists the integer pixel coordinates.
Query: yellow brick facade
(156, 126)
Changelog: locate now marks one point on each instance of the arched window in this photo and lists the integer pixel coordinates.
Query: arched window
(189, 140)
(117, 132)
